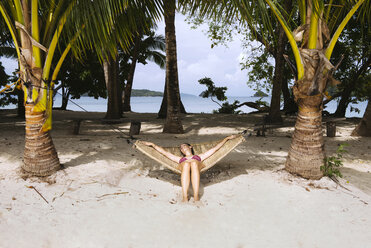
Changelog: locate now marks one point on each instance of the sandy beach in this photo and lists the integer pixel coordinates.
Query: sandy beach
(109, 194)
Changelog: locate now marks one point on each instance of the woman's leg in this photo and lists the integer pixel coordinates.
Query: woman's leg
(195, 179)
(185, 178)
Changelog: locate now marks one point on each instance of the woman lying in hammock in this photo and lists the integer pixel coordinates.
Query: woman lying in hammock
(190, 164)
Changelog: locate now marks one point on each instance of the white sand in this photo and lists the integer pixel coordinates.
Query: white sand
(111, 195)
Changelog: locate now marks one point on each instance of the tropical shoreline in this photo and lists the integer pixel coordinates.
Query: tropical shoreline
(111, 195)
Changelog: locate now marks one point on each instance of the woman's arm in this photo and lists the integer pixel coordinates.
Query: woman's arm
(210, 152)
(161, 150)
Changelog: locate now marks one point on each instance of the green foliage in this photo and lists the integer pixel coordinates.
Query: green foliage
(83, 77)
(219, 93)
(332, 164)
(355, 45)
(260, 68)
(212, 90)
(228, 108)
(6, 98)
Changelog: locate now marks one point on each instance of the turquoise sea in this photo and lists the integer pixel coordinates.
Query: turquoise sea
(193, 104)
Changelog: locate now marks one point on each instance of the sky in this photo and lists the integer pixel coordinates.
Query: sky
(196, 59)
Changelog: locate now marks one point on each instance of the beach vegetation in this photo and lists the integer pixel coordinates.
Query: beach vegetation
(332, 164)
(80, 77)
(225, 106)
(9, 98)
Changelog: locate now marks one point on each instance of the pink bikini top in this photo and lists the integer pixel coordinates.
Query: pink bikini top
(193, 157)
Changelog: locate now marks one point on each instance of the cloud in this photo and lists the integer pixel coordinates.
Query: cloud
(196, 59)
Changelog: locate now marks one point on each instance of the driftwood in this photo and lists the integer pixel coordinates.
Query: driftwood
(258, 106)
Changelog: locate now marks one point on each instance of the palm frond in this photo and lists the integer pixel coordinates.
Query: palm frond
(8, 52)
(158, 58)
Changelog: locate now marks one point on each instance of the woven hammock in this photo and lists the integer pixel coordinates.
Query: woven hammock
(198, 149)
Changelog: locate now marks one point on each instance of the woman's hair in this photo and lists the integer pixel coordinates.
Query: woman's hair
(193, 152)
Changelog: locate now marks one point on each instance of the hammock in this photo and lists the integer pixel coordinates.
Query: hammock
(198, 149)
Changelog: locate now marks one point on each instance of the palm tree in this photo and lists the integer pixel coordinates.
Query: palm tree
(312, 44)
(318, 37)
(144, 48)
(38, 28)
(173, 123)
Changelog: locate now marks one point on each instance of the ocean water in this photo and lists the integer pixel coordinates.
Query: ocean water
(193, 104)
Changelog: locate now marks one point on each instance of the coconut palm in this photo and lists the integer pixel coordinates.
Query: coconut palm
(173, 122)
(40, 27)
(148, 47)
(312, 43)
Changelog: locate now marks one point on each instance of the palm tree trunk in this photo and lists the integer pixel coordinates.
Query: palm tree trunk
(364, 126)
(114, 103)
(173, 123)
(163, 109)
(306, 153)
(40, 155)
(126, 106)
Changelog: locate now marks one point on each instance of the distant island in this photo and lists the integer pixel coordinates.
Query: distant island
(146, 93)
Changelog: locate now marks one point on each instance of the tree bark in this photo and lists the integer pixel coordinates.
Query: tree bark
(126, 106)
(40, 155)
(114, 103)
(65, 97)
(344, 101)
(275, 106)
(364, 126)
(306, 153)
(173, 122)
(163, 109)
